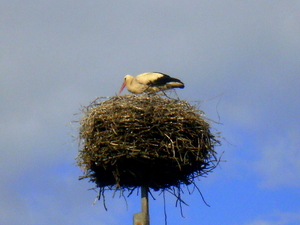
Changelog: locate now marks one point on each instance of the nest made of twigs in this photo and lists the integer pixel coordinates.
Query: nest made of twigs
(144, 140)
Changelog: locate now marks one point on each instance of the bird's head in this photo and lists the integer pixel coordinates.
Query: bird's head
(124, 84)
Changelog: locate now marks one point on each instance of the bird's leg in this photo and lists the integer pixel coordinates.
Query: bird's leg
(176, 95)
(166, 95)
(148, 91)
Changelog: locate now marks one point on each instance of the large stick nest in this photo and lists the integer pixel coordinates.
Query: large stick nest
(144, 140)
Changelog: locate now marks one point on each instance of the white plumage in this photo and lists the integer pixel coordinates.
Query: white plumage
(150, 83)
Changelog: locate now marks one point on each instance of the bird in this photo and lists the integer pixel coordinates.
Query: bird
(150, 82)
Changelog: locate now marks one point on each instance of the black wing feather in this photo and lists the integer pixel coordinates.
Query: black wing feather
(163, 80)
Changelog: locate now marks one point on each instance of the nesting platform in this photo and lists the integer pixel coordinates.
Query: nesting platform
(144, 140)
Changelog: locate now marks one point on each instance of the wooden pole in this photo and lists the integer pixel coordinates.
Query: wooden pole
(142, 218)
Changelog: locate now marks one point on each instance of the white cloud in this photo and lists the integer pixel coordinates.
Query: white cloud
(279, 164)
(278, 218)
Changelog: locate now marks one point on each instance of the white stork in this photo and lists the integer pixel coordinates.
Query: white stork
(150, 83)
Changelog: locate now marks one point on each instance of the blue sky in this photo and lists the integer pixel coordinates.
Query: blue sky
(239, 58)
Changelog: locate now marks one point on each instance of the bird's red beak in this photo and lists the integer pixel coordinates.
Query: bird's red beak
(122, 87)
